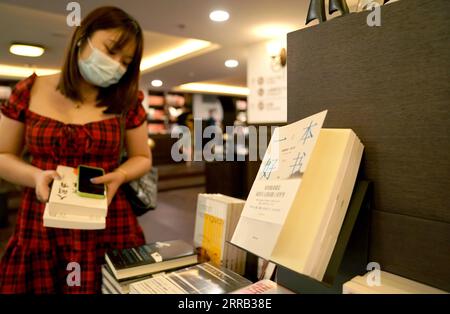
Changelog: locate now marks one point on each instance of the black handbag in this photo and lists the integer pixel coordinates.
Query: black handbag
(142, 192)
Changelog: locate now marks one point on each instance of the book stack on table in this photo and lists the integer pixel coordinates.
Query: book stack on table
(130, 265)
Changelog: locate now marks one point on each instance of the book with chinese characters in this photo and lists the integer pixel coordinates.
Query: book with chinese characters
(64, 198)
(150, 258)
(276, 185)
(203, 278)
(216, 219)
(299, 199)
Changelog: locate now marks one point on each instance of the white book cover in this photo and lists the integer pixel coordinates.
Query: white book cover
(313, 224)
(216, 219)
(340, 198)
(381, 282)
(64, 198)
(65, 221)
(276, 185)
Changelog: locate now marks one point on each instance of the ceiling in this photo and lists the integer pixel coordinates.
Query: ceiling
(166, 23)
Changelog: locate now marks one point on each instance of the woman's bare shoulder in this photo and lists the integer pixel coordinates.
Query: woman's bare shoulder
(47, 81)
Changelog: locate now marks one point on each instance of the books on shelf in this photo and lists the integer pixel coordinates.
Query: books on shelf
(150, 258)
(202, 278)
(264, 286)
(66, 209)
(299, 199)
(216, 219)
(386, 283)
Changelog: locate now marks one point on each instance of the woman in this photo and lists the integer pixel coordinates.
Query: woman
(69, 119)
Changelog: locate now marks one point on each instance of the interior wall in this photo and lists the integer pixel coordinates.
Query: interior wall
(390, 84)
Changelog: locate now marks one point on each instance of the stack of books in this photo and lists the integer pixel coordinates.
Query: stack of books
(215, 222)
(203, 278)
(127, 266)
(381, 282)
(68, 210)
(265, 286)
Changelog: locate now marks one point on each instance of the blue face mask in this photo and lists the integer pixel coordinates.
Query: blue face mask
(99, 69)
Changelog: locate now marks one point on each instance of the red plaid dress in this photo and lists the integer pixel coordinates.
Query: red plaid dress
(36, 257)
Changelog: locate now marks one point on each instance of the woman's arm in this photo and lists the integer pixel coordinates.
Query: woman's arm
(139, 155)
(13, 168)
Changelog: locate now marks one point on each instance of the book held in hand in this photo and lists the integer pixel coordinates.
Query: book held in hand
(150, 258)
(66, 209)
(65, 221)
(64, 198)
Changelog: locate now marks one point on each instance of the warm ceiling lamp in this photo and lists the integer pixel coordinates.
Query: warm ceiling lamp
(219, 16)
(26, 50)
(20, 71)
(231, 63)
(214, 89)
(157, 83)
(189, 47)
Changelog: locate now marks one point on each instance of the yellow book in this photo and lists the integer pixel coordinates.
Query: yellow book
(213, 235)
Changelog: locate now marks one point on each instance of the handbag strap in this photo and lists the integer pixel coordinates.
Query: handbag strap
(122, 136)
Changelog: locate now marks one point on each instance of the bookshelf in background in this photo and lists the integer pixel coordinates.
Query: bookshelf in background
(164, 108)
(156, 113)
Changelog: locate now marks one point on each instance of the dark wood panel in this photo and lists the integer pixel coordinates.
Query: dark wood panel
(226, 177)
(391, 85)
(415, 248)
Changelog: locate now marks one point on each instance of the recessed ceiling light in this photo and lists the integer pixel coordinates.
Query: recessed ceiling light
(26, 50)
(219, 16)
(157, 83)
(231, 63)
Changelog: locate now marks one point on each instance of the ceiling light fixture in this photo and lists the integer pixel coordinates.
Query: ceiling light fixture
(214, 89)
(231, 63)
(26, 50)
(219, 16)
(188, 48)
(157, 83)
(18, 71)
